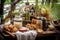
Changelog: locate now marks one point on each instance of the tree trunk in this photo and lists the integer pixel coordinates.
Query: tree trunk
(42, 2)
(48, 2)
(13, 3)
(1, 11)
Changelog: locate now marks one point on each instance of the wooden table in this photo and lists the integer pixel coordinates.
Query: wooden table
(47, 35)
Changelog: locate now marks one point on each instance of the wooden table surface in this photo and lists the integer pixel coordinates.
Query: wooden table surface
(46, 33)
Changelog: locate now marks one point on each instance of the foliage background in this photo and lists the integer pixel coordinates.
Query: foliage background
(55, 10)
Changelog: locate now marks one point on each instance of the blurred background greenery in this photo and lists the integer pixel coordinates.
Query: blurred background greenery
(55, 9)
(55, 12)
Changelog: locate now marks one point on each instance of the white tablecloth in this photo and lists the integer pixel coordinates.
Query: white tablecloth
(29, 35)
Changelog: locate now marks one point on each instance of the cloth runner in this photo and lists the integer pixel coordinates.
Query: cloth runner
(29, 35)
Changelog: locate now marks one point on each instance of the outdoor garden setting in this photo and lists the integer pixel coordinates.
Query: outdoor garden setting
(29, 19)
